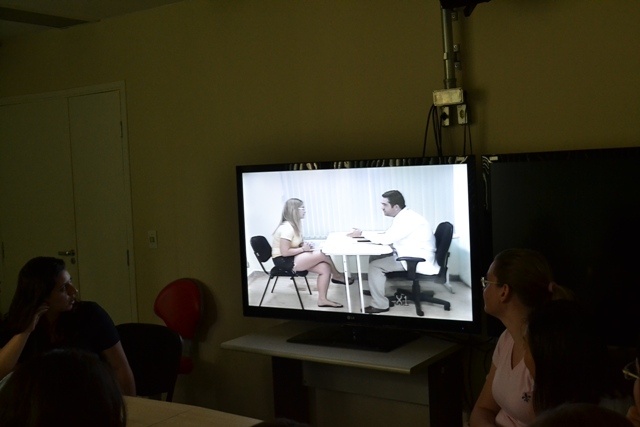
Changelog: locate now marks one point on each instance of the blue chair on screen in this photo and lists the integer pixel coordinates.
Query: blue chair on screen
(262, 250)
(443, 235)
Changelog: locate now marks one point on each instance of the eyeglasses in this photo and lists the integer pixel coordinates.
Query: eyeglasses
(630, 371)
(486, 283)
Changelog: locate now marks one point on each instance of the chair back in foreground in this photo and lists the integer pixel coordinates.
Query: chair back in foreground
(180, 306)
(262, 250)
(153, 352)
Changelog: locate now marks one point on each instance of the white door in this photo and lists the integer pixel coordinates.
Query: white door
(64, 187)
(36, 187)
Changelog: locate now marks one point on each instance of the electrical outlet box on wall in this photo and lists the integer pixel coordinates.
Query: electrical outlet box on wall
(461, 113)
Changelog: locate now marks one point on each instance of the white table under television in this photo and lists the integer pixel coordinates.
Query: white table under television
(417, 384)
(339, 244)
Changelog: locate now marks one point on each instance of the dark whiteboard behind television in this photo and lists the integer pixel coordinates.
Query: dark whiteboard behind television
(581, 209)
(341, 195)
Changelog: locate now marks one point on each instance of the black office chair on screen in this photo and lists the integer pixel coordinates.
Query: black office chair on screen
(443, 235)
(154, 353)
(262, 250)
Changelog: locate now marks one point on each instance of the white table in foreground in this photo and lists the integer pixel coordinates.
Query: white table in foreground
(142, 412)
(339, 244)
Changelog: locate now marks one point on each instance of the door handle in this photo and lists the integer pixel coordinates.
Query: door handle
(70, 252)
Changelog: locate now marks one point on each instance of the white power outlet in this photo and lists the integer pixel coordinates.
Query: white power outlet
(462, 114)
(444, 116)
(153, 239)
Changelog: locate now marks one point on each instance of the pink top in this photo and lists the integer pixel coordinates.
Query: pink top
(512, 387)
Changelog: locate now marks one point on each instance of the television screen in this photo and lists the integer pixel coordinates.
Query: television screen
(580, 209)
(343, 195)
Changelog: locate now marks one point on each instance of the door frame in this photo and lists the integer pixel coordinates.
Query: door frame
(88, 90)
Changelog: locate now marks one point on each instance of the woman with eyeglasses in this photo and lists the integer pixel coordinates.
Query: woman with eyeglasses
(517, 282)
(289, 251)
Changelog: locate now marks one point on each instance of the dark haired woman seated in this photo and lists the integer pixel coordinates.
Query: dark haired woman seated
(46, 314)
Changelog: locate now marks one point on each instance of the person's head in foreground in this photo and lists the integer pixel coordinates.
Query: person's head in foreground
(63, 387)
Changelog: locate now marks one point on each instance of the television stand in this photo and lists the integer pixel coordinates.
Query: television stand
(419, 383)
(356, 337)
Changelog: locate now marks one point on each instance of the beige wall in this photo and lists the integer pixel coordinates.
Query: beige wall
(212, 84)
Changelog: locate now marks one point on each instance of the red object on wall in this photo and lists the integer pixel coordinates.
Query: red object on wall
(179, 305)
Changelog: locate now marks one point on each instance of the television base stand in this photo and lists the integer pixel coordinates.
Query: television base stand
(357, 337)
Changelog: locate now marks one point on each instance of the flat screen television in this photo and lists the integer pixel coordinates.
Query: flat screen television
(581, 210)
(342, 195)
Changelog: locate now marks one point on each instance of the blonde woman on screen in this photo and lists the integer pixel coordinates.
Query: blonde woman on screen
(291, 252)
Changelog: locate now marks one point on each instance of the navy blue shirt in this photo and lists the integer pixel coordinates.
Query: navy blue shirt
(88, 326)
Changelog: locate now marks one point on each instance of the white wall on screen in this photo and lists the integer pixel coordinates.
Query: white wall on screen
(339, 199)
(262, 209)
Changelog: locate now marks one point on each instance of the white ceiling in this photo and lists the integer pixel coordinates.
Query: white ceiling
(19, 17)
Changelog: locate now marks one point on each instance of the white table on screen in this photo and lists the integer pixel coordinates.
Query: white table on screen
(339, 244)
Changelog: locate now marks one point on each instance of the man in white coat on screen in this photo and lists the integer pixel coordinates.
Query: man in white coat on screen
(410, 234)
